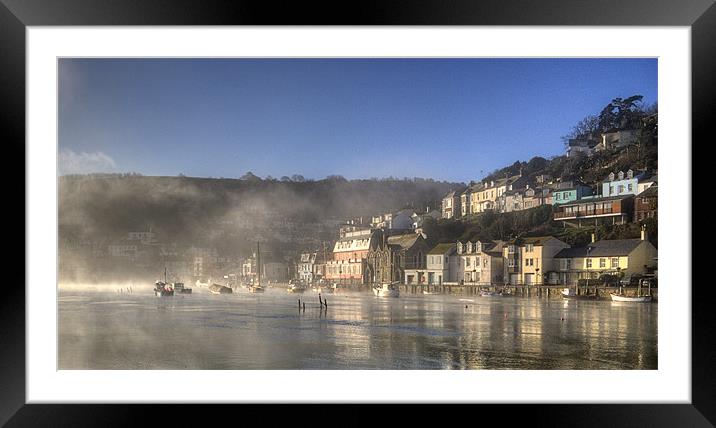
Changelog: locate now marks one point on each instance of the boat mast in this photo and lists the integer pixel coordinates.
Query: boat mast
(165, 274)
(258, 263)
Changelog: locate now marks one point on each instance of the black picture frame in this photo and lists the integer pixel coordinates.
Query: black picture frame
(16, 15)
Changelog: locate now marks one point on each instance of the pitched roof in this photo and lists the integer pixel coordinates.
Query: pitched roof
(650, 192)
(442, 249)
(454, 192)
(405, 241)
(604, 248)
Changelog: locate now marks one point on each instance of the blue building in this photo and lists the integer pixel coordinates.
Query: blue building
(621, 184)
(571, 194)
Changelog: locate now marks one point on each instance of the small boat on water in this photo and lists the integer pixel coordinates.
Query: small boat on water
(638, 298)
(486, 293)
(220, 289)
(430, 292)
(621, 298)
(256, 289)
(387, 290)
(179, 288)
(162, 289)
(296, 288)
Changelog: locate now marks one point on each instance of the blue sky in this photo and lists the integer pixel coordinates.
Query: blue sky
(447, 119)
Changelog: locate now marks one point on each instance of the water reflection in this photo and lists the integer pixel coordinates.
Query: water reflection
(357, 331)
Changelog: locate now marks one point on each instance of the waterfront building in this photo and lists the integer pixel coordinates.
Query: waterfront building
(124, 248)
(645, 204)
(480, 262)
(616, 257)
(530, 260)
(441, 267)
(311, 266)
(596, 211)
(350, 252)
(394, 256)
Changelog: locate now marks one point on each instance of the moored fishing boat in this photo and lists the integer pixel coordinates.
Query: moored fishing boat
(638, 298)
(386, 290)
(179, 288)
(621, 298)
(220, 289)
(162, 288)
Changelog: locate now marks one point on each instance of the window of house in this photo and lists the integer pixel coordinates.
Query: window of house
(629, 187)
(467, 261)
(602, 263)
(588, 263)
(484, 262)
(529, 248)
(615, 262)
(559, 196)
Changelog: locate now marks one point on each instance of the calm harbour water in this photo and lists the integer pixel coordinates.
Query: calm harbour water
(107, 330)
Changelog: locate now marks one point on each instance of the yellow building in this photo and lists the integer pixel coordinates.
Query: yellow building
(531, 261)
(616, 256)
(483, 197)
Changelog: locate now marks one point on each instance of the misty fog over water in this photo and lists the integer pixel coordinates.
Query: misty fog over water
(111, 330)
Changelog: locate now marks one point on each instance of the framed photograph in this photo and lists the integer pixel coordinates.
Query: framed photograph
(415, 204)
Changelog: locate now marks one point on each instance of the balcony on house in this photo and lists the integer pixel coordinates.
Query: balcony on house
(615, 209)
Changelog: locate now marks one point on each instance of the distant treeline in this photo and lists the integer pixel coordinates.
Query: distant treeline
(103, 205)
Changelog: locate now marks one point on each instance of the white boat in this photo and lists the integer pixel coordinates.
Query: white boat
(256, 289)
(296, 288)
(387, 290)
(638, 298)
(485, 293)
(621, 298)
(430, 292)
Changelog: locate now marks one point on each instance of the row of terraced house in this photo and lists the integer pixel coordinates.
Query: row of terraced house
(532, 261)
(620, 198)
(364, 254)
